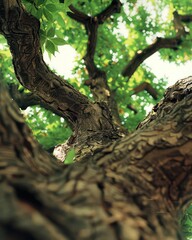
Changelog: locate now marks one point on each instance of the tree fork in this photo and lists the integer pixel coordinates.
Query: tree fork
(131, 189)
(97, 78)
(85, 118)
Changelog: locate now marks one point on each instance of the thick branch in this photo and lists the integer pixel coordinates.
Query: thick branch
(140, 56)
(98, 79)
(159, 43)
(132, 189)
(77, 15)
(16, 142)
(163, 141)
(25, 100)
(21, 31)
(22, 99)
(91, 25)
(91, 29)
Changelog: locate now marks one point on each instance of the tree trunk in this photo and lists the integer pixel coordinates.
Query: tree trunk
(134, 188)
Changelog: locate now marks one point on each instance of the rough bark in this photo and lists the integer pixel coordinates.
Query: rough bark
(131, 189)
(87, 119)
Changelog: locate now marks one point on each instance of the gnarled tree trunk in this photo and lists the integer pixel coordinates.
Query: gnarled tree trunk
(133, 188)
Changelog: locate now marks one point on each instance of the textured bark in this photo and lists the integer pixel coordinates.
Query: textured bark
(131, 189)
(88, 120)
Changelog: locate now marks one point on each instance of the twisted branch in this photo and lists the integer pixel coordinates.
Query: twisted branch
(97, 77)
(22, 33)
(172, 43)
(25, 100)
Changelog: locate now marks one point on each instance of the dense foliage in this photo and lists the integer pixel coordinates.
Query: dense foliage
(120, 37)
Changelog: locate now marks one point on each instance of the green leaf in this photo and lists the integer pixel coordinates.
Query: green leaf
(51, 7)
(40, 2)
(48, 15)
(60, 20)
(50, 47)
(2, 40)
(70, 156)
(39, 13)
(51, 32)
(33, 10)
(58, 41)
(67, 3)
(43, 36)
(42, 39)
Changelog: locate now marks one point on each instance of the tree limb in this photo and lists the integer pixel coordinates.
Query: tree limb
(147, 87)
(132, 108)
(91, 25)
(98, 79)
(22, 99)
(77, 15)
(131, 189)
(26, 151)
(25, 100)
(22, 33)
(86, 118)
(159, 43)
(114, 7)
(186, 18)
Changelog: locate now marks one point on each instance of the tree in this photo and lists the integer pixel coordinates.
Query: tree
(121, 185)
